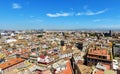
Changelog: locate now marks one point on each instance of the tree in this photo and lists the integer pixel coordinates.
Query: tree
(0, 35)
(40, 36)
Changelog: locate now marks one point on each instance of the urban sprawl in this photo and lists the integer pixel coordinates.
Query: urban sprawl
(59, 52)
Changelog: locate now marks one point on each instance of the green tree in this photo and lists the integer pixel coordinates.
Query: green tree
(40, 36)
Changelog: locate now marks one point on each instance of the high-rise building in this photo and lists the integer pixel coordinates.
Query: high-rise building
(110, 32)
(116, 50)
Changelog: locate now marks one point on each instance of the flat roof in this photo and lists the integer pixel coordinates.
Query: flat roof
(11, 62)
(109, 72)
(99, 71)
(85, 69)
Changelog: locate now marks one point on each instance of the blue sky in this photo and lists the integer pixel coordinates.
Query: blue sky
(59, 14)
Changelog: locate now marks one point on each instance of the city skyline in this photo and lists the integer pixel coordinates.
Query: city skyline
(59, 14)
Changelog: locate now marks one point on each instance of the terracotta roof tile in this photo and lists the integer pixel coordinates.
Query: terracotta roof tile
(11, 62)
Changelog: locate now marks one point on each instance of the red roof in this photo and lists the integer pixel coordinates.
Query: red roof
(42, 56)
(11, 63)
(68, 69)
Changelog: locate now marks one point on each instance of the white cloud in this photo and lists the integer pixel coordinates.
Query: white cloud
(16, 6)
(95, 13)
(58, 14)
(89, 12)
(102, 11)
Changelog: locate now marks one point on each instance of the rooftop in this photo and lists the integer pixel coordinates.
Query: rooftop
(10, 63)
(109, 72)
(99, 70)
(98, 51)
(85, 69)
(68, 69)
